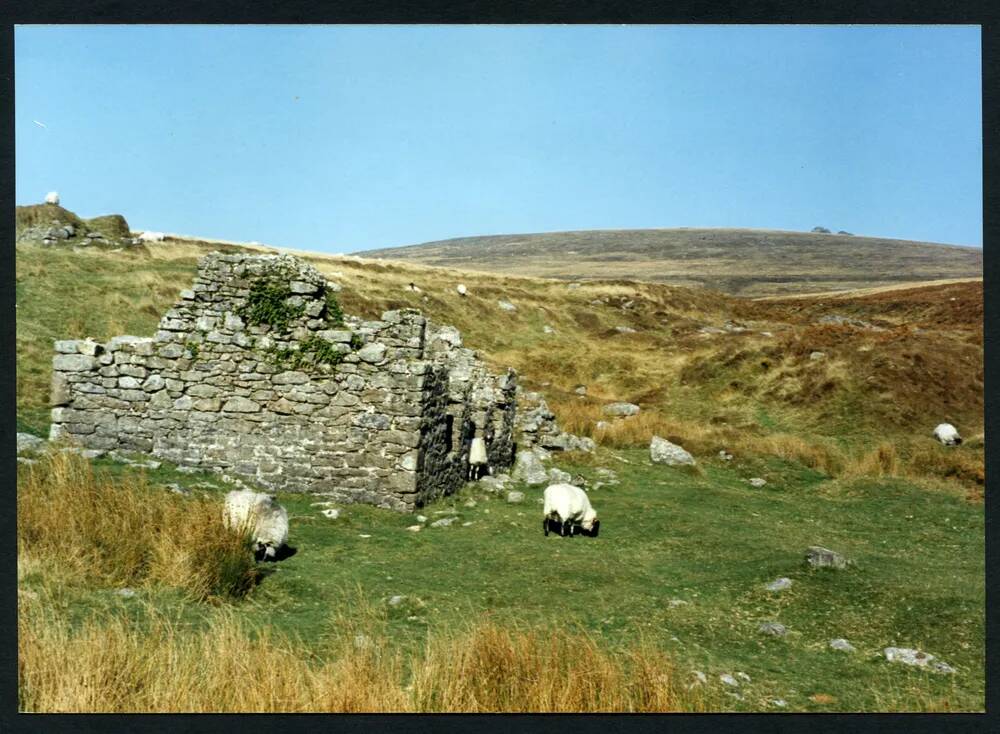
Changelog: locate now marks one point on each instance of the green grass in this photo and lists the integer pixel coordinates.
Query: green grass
(705, 537)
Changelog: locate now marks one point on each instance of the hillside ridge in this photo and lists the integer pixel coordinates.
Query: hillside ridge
(737, 261)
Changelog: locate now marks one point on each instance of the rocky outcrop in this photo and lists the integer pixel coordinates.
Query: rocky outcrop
(537, 426)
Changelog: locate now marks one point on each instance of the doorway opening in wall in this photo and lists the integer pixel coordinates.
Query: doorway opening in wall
(449, 432)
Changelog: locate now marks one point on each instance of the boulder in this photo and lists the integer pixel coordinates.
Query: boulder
(558, 476)
(775, 629)
(842, 645)
(661, 451)
(515, 498)
(506, 306)
(779, 584)
(528, 469)
(621, 409)
(819, 557)
(916, 658)
(757, 482)
(27, 443)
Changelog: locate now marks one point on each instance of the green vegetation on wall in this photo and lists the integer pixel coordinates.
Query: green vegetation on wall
(268, 304)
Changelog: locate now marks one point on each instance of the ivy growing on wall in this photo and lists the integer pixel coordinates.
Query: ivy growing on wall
(267, 304)
(312, 352)
(334, 314)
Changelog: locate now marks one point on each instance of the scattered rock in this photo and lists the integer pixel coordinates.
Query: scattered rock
(528, 469)
(624, 329)
(415, 528)
(177, 489)
(779, 584)
(819, 557)
(126, 593)
(621, 409)
(395, 601)
(743, 677)
(917, 658)
(506, 306)
(842, 645)
(494, 484)
(469, 503)
(421, 518)
(779, 702)
(757, 482)
(773, 628)
(580, 389)
(729, 680)
(362, 642)
(816, 356)
(725, 455)
(700, 678)
(558, 476)
(676, 603)
(28, 443)
(331, 513)
(443, 522)
(548, 329)
(661, 451)
(515, 497)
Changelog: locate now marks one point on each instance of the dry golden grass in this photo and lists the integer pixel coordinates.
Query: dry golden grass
(111, 665)
(126, 532)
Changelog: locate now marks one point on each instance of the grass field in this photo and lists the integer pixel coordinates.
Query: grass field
(843, 442)
(706, 539)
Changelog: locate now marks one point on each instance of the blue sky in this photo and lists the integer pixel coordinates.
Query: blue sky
(342, 138)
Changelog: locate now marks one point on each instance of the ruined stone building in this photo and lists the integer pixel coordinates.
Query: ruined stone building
(256, 371)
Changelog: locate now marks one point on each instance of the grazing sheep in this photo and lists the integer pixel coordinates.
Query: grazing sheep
(151, 237)
(567, 509)
(478, 458)
(462, 290)
(947, 434)
(52, 198)
(259, 515)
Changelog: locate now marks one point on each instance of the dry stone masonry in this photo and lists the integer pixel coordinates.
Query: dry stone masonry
(255, 371)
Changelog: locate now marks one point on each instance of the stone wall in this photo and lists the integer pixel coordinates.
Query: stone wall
(256, 372)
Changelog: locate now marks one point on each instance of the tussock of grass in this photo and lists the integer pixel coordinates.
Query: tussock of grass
(111, 666)
(126, 532)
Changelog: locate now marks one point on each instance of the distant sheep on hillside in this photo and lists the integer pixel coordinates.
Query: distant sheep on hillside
(52, 198)
(947, 434)
(151, 237)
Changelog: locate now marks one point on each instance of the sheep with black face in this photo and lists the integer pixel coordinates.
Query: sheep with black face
(567, 510)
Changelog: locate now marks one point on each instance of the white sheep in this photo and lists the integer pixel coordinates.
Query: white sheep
(462, 290)
(151, 236)
(52, 198)
(567, 507)
(258, 514)
(478, 458)
(947, 434)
